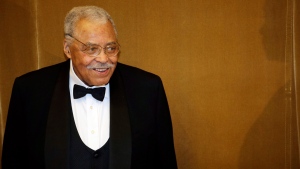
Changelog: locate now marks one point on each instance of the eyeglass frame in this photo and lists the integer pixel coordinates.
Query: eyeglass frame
(99, 47)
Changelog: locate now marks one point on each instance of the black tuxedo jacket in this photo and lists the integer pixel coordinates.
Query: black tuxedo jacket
(38, 124)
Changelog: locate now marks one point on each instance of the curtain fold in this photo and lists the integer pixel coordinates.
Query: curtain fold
(18, 48)
(296, 78)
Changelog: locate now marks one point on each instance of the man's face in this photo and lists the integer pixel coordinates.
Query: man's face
(92, 70)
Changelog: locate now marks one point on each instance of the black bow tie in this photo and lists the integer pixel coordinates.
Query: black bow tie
(80, 91)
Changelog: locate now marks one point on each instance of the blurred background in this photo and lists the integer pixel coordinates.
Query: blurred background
(229, 67)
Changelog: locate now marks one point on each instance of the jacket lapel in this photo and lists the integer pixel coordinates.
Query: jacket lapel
(57, 131)
(120, 131)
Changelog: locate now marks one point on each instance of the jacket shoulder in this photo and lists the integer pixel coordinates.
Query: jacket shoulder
(136, 74)
(41, 77)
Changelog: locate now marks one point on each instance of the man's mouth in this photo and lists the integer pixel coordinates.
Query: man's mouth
(101, 70)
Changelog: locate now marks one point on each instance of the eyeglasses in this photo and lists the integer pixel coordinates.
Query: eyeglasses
(111, 49)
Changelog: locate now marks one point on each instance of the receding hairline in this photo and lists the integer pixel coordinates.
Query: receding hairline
(89, 13)
(89, 21)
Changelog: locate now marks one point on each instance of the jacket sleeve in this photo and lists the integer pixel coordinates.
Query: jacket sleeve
(14, 149)
(165, 131)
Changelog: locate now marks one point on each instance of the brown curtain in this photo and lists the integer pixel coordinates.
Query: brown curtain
(230, 70)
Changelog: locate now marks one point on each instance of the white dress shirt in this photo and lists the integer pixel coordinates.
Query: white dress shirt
(90, 115)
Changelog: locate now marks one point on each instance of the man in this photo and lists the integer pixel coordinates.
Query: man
(55, 122)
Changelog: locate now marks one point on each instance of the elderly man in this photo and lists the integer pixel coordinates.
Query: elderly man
(89, 111)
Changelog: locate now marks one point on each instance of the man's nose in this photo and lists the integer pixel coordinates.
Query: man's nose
(101, 57)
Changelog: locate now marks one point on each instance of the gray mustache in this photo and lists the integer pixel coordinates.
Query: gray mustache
(100, 66)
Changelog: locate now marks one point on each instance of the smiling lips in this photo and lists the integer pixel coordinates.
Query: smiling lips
(101, 70)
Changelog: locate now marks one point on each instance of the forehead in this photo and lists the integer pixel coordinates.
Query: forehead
(97, 33)
(98, 27)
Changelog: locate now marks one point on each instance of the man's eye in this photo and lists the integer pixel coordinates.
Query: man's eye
(92, 49)
(111, 48)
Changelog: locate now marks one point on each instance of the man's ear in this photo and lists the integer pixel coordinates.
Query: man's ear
(67, 48)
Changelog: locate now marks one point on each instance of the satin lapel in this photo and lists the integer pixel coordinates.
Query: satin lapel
(120, 131)
(57, 132)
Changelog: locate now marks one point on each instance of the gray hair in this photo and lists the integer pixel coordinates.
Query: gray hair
(92, 13)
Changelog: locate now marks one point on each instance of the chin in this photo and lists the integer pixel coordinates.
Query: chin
(100, 83)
